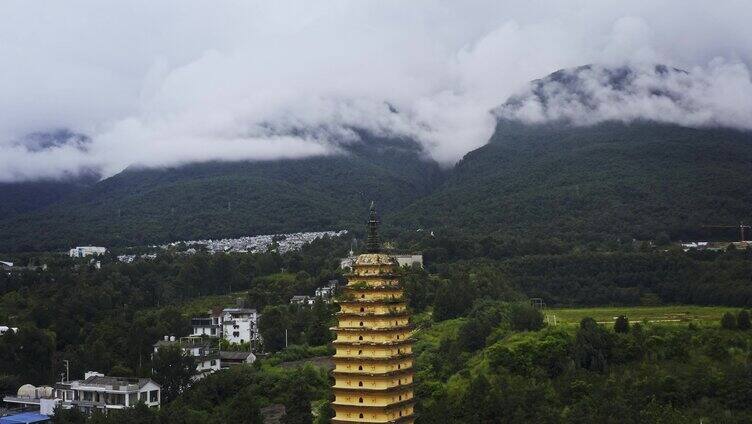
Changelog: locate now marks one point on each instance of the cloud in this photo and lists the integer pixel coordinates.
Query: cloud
(717, 96)
(172, 82)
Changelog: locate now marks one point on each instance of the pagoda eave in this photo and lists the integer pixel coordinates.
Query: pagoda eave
(358, 343)
(400, 420)
(355, 301)
(392, 389)
(363, 358)
(377, 330)
(394, 405)
(355, 374)
(400, 314)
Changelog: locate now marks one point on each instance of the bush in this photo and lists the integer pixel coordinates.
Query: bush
(622, 324)
(728, 321)
(743, 321)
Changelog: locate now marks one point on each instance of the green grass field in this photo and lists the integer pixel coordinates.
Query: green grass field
(669, 315)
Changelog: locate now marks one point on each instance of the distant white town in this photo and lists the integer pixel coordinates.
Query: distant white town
(282, 243)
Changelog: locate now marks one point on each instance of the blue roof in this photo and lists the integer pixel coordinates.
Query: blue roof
(24, 418)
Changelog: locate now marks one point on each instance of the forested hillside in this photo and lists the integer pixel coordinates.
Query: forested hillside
(605, 182)
(141, 206)
(555, 182)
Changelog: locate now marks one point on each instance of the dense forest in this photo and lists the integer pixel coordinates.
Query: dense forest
(482, 353)
(607, 182)
(228, 199)
(556, 184)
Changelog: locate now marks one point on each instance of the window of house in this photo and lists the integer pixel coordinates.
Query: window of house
(360, 383)
(360, 367)
(362, 309)
(154, 396)
(360, 400)
(361, 323)
(360, 337)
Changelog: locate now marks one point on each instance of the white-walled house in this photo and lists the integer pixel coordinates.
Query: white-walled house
(210, 326)
(240, 325)
(236, 325)
(82, 251)
(95, 392)
(327, 292)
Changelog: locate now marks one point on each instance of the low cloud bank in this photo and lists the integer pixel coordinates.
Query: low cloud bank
(717, 96)
(173, 82)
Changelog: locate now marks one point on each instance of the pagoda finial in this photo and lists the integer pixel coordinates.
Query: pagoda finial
(373, 243)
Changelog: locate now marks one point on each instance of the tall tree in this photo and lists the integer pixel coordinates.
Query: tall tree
(173, 369)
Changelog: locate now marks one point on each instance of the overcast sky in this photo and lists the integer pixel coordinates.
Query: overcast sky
(160, 83)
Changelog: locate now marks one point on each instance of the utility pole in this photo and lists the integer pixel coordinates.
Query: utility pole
(285, 338)
(67, 370)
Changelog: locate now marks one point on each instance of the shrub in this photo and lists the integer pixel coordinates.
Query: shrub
(622, 324)
(728, 321)
(743, 321)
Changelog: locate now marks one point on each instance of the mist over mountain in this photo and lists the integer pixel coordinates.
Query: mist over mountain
(589, 153)
(230, 199)
(232, 81)
(587, 95)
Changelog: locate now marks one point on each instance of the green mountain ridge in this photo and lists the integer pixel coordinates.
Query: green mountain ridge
(554, 181)
(140, 206)
(607, 181)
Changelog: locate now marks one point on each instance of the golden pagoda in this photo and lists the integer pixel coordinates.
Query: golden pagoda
(373, 363)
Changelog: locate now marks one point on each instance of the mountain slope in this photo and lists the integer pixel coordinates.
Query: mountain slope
(24, 197)
(230, 199)
(592, 163)
(606, 181)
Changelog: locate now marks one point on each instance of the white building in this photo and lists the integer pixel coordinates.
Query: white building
(302, 300)
(205, 352)
(210, 326)
(4, 329)
(82, 251)
(95, 392)
(240, 325)
(236, 325)
(327, 292)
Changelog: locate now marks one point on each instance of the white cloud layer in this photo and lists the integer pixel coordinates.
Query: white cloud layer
(169, 82)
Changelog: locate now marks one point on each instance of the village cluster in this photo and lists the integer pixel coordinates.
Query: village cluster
(223, 338)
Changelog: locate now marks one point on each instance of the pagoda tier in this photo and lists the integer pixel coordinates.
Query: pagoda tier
(373, 363)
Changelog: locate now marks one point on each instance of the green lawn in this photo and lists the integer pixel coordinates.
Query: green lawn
(675, 314)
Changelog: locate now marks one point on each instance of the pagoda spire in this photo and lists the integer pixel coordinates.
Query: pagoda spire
(373, 242)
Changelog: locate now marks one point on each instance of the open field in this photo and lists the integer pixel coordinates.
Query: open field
(674, 314)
